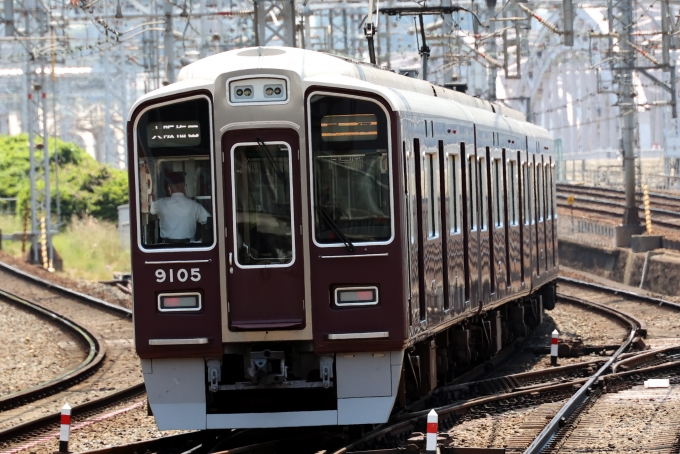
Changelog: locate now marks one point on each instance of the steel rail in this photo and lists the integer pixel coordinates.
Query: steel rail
(582, 188)
(101, 304)
(52, 420)
(41, 424)
(617, 291)
(407, 421)
(94, 347)
(619, 205)
(546, 435)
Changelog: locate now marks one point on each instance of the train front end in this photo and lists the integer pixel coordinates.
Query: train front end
(267, 257)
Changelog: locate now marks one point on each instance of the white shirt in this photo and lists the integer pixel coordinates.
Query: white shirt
(178, 216)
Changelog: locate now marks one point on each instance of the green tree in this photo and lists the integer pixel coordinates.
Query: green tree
(85, 186)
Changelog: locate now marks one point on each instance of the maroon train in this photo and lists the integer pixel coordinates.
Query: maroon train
(370, 237)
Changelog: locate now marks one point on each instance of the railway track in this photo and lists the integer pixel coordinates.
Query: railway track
(107, 379)
(94, 347)
(664, 208)
(562, 403)
(545, 390)
(456, 404)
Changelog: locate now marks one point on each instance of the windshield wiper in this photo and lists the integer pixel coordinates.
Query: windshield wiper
(331, 223)
(269, 156)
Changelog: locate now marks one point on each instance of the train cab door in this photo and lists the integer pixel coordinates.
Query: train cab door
(265, 267)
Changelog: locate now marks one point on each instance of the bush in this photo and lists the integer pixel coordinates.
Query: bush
(85, 186)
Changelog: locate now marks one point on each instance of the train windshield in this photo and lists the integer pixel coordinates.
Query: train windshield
(173, 144)
(351, 165)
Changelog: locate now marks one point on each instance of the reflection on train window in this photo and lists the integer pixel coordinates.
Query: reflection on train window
(539, 186)
(352, 195)
(483, 194)
(174, 172)
(512, 192)
(431, 171)
(262, 204)
(454, 192)
(497, 187)
(472, 192)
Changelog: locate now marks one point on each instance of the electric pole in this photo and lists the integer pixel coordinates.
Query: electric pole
(627, 112)
(493, 71)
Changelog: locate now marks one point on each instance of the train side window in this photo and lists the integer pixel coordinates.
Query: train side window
(539, 192)
(497, 188)
(483, 194)
(455, 192)
(512, 189)
(173, 149)
(472, 192)
(430, 168)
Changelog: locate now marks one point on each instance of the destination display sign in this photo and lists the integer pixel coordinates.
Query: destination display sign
(174, 134)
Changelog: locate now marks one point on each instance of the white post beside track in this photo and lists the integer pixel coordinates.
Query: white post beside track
(65, 429)
(432, 425)
(553, 348)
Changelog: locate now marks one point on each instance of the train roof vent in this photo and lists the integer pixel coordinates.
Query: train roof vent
(261, 52)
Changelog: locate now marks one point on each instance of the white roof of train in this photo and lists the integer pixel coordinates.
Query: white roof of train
(404, 93)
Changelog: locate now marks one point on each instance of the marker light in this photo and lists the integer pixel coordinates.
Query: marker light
(356, 296)
(174, 302)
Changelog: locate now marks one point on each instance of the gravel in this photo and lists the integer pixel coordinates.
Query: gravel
(635, 420)
(120, 369)
(510, 430)
(33, 350)
(102, 291)
(572, 322)
(126, 427)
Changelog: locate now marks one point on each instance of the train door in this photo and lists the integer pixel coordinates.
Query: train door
(499, 264)
(528, 217)
(540, 216)
(553, 211)
(413, 290)
(263, 219)
(471, 187)
(452, 225)
(513, 229)
(430, 247)
(485, 251)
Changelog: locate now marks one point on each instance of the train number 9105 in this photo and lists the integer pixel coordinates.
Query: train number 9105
(181, 275)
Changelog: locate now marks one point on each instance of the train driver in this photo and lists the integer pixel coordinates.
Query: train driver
(178, 214)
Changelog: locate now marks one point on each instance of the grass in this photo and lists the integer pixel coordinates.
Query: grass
(88, 247)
